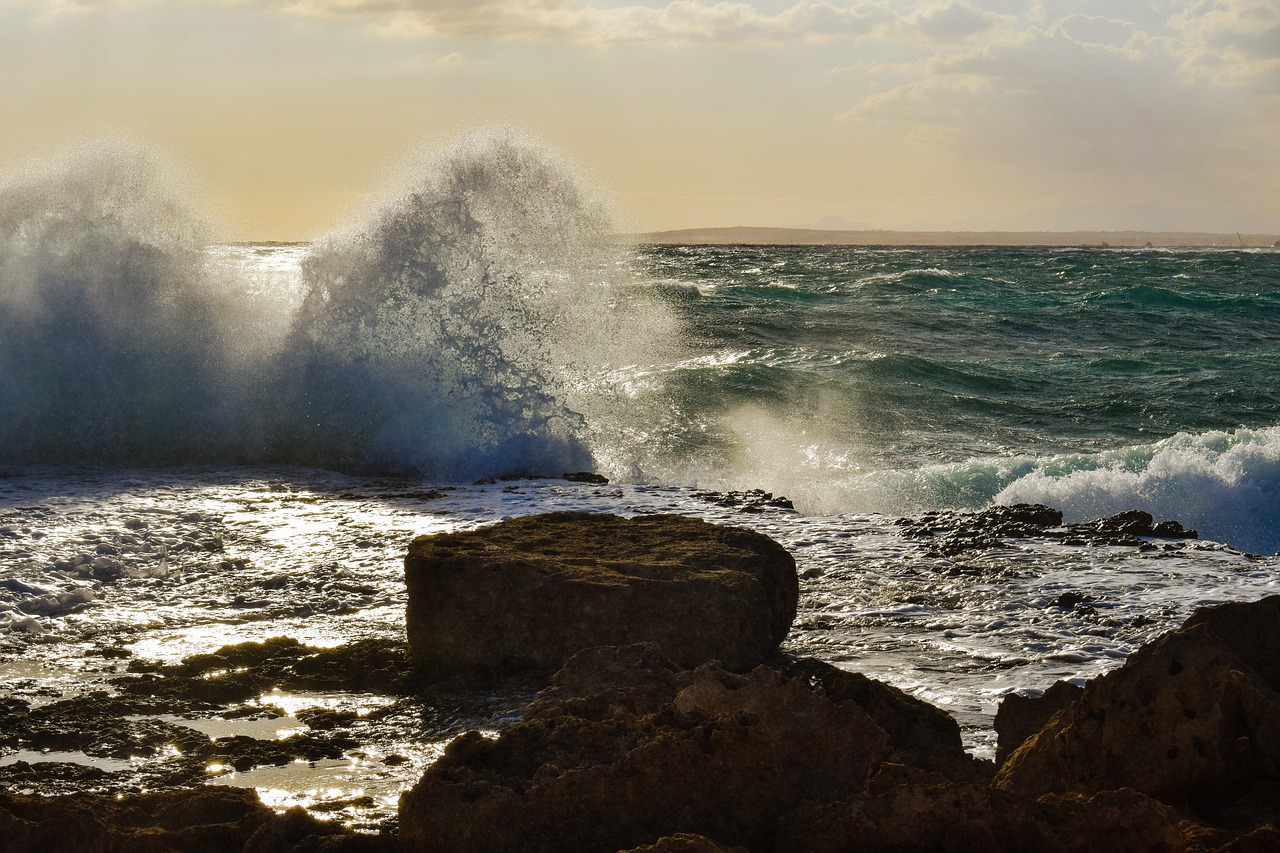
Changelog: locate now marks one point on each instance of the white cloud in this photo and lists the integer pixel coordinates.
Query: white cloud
(1234, 42)
(1088, 94)
(950, 21)
(680, 21)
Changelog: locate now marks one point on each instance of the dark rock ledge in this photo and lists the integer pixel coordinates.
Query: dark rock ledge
(630, 750)
(949, 534)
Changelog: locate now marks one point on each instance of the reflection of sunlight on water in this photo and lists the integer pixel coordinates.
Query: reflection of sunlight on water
(32, 756)
(357, 790)
(292, 703)
(173, 646)
(275, 727)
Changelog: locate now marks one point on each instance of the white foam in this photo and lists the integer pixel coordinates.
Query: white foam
(1224, 484)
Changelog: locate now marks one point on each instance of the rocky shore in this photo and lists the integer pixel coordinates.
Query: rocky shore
(672, 723)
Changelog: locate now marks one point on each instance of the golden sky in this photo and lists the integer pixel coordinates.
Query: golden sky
(940, 114)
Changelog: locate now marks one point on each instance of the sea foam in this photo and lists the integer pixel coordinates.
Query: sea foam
(1224, 484)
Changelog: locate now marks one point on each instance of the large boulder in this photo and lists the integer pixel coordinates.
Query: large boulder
(528, 593)
(626, 747)
(1192, 719)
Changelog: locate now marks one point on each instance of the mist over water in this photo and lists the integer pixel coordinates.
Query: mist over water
(117, 344)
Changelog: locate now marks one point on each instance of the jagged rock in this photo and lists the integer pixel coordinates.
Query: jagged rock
(587, 477)
(1019, 717)
(966, 818)
(1192, 719)
(685, 842)
(527, 593)
(922, 735)
(950, 534)
(646, 750)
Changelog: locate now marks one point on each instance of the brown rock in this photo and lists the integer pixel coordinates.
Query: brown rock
(1019, 717)
(684, 842)
(966, 818)
(1192, 719)
(209, 819)
(529, 592)
(920, 734)
(654, 752)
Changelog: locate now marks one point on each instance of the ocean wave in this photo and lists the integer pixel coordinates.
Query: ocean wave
(118, 343)
(465, 328)
(1225, 484)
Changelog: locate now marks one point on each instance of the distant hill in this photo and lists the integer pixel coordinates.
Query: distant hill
(740, 235)
(835, 223)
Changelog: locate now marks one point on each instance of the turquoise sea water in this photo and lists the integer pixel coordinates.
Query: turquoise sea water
(906, 379)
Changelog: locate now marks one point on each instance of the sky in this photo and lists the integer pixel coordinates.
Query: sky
(935, 115)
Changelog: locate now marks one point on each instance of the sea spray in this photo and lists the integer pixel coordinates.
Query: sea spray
(1225, 484)
(117, 345)
(468, 326)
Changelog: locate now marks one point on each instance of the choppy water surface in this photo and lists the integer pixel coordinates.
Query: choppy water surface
(188, 561)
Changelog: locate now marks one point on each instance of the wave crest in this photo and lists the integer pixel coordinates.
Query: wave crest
(453, 331)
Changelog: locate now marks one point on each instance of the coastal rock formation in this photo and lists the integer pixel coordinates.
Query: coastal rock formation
(926, 818)
(529, 592)
(684, 842)
(1193, 720)
(949, 534)
(627, 747)
(199, 820)
(1019, 717)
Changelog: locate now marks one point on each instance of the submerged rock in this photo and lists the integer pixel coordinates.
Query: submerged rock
(528, 593)
(951, 534)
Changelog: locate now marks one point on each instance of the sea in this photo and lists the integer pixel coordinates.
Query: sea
(205, 443)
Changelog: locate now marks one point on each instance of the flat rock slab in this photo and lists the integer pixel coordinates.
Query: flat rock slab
(529, 592)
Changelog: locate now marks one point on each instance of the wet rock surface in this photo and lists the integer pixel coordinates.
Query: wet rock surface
(204, 820)
(635, 751)
(948, 534)
(1020, 717)
(528, 593)
(1175, 751)
(925, 818)
(1193, 720)
(151, 731)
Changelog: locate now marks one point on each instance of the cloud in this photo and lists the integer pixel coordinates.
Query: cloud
(1091, 94)
(950, 21)
(1231, 42)
(677, 22)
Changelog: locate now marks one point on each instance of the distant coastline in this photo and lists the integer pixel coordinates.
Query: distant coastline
(747, 235)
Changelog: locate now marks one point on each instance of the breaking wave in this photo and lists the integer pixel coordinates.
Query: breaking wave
(465, 326)
(460, 329)
(117, 343)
